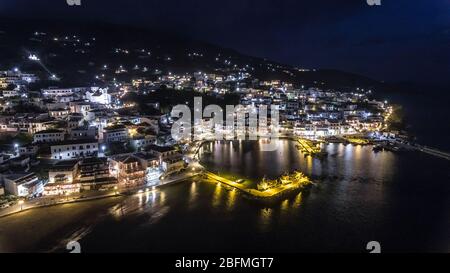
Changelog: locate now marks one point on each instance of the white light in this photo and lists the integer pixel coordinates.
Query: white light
(33, 57)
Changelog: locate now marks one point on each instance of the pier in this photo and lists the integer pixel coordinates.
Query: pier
(270, 193)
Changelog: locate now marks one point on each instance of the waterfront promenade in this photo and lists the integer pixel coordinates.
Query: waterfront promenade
(192, 171)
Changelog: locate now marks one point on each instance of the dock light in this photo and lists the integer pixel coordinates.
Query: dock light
(146, 189)
(140, 191)
(153, 188)
(115, 187)
(103, 148)
(16, 145)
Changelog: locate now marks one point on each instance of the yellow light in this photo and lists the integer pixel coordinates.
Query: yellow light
(21, 202)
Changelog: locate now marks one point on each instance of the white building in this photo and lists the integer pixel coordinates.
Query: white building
(47, 136)
(115, 133)
(143, 141)
(80, 107)
(56, 92)
(10, 93)
(63, 172)
(58, 113)
(98, 95)
(62, 178)
(28, 149)
(84, 132)
(170, 159)
(71, 149)
(30, 125)
(23, 185)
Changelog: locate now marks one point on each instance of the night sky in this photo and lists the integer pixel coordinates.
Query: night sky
(401, 40)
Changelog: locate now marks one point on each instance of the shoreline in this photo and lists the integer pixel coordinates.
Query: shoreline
(124, 193)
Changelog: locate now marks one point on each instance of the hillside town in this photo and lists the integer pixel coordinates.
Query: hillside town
(63, 141)
(113, 133)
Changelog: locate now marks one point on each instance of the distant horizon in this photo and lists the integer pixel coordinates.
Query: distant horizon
(415, 84)
(372, 41)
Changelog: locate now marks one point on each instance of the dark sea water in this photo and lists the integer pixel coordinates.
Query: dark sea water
(400, 200)
(427, 115)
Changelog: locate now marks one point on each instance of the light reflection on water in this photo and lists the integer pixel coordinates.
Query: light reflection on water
(217, 197)
(231, 199)
(358, 196)
(243, 159)
(297, 200)
(266, 215)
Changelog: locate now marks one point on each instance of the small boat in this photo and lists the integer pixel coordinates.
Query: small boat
(377, 148)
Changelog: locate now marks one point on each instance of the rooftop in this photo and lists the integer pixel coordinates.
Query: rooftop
(145, 156)
(161, 149)
(93, 160)
(49, 131)
(21, 178)
(64, 165)
(125, 159)
(75, 141)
